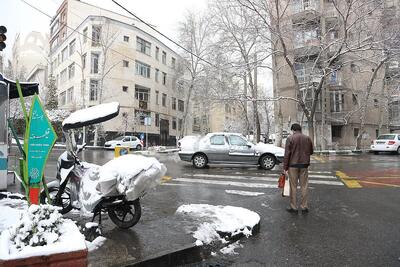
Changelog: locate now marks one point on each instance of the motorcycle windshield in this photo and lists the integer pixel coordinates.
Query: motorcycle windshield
(92, 115)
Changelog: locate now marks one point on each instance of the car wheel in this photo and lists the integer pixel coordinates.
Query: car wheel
(138, 147)
(398, 150)
(267, 162)
(199, 161)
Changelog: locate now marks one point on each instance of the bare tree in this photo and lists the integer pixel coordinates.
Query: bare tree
(314, 49)
(194, 36)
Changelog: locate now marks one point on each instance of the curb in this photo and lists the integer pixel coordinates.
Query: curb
(341, 152)
(189, 254)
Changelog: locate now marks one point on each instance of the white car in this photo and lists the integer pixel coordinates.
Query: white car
(386, 143)
(128, 141)
(229, 148)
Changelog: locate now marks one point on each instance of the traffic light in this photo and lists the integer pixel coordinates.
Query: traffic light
(3, 37)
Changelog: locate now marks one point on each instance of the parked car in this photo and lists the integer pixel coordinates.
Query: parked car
(129, 141)
(386, 143)
(230, 148)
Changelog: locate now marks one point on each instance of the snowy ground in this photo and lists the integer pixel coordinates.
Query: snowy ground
(220, 223)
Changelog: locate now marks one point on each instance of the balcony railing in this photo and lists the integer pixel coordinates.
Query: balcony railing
(143, 105)
(304, 5)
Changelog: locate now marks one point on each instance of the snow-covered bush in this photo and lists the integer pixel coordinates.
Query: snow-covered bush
(39, 226)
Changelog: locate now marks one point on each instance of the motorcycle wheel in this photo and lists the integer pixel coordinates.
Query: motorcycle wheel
(126, 215)
(66, 204)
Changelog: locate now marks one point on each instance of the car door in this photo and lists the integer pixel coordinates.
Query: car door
(127, 141)
(241, 151)
(217, 149)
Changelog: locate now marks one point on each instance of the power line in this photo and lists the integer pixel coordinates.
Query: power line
(87, 37)
(163, 35)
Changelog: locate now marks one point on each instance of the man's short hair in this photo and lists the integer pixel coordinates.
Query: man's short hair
(295, 127)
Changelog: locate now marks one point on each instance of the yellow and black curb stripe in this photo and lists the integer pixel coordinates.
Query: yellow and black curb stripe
(348, 181)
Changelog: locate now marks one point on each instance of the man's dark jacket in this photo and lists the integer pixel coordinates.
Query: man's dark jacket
(298, 149)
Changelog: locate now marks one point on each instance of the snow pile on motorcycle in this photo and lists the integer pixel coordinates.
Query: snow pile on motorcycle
(129, 175)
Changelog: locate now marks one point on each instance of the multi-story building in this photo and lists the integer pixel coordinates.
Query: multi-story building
(390, 18)
(100, 56)
(313, 32)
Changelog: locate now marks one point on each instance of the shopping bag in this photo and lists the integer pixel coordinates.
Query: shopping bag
(281, 181)
(286, 188)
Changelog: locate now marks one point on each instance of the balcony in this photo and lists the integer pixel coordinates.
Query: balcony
(305, 10)
(307, 48)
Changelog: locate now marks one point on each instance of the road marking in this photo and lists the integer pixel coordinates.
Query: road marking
(319, 158)
(244, 193)
(369, 182)
(348, 181)
(274, 180)
(216, 182)
(165, 179)
(257, 177)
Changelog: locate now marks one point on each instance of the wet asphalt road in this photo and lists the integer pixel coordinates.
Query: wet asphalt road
(346, 226)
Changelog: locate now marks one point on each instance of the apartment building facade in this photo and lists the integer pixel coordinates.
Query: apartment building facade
(99, 56)
(315, 26)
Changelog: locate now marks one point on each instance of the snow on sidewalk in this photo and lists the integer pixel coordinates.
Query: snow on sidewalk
(215, 220)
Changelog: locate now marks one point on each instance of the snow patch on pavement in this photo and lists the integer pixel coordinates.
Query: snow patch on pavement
(216, 220)
(96, 243)
(230, 249)
(243, 193)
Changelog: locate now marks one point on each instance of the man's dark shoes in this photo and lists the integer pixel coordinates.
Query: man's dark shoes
(291, 210)
(305, 210)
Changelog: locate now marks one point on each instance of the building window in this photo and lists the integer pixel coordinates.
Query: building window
(157, 95)
(376, 103)
(377, 134)
(124, 88)
(125, 63)
(336, 131)
(94, 85)
(141, 115)
(157, 74)
(94, 64)
(72, 47)
(96, 32)
(337, 101)
(71, 71)
(157, 122)
(173, 100)
(173, 62)
(70, 94)
(85, 35)
(164, 100)
(63, 98)
(84, 61)
(164, 57)
(180, 124)
(142, 93)
(143, 46)
(355, 100)
(356, 131)
(64, 54)
(126, 38)
(174, 123)
(181, 105)
(142, 69)
(164, 78)
(63, 75)
(157, 53)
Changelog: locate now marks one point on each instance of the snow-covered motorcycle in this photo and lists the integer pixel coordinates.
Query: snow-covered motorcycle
(115, 188)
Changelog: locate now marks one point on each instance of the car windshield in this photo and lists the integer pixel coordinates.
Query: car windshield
(386, 137)
(119, 138)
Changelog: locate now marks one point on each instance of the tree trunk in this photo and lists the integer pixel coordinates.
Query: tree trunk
(310, 122)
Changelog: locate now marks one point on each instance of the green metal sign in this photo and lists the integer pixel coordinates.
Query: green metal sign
(39, 140)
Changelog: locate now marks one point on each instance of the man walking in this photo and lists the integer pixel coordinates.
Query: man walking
(298, 150)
